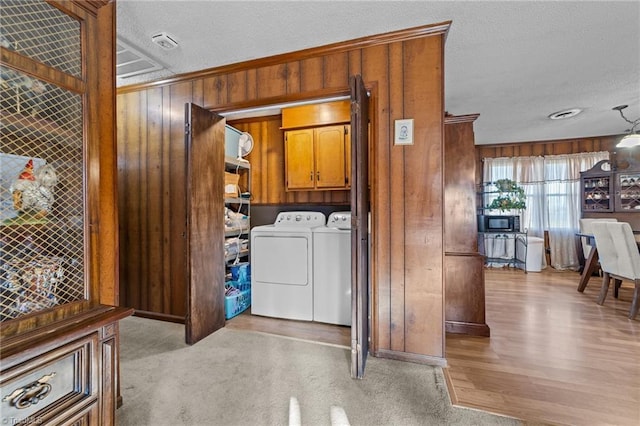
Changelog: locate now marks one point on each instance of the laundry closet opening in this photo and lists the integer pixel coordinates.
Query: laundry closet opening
(300, 240)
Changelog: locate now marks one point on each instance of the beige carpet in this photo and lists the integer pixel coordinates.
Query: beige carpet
(247, 378)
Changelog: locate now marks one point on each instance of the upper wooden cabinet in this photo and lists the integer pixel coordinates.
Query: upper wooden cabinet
(317, 146)
(317, 158)
(605, 190)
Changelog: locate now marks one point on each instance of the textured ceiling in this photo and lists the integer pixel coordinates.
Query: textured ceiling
(513, 62)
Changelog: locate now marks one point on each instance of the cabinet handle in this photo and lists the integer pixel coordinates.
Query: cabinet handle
(318, 176)
(30, 394)
(311, 175)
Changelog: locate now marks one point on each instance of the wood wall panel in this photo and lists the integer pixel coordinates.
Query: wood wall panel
(271, 81)
(397, 206)
(550, 147)
(166, 202)
(215, 91)
(236, 87)
(405, 72)
(336, 70)
(154, 197)
(355, 62)
(424, 196)
(311, 74)
(375, 62)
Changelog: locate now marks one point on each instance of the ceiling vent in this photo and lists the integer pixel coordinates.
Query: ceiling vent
(568, 113)
(130, 61)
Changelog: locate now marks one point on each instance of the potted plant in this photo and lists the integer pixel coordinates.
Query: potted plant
(510, 196)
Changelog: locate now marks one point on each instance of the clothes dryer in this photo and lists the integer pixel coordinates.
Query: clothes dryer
(332, 270)
(282, 266)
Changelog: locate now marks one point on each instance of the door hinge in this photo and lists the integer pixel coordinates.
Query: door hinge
(354, 346)
(187, 128)
(346, 130)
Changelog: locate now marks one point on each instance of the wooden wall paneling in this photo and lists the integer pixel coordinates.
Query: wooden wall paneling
(214, 91)
(271, 81)
(355, 62)
(180, 94)
(166, 200)
(237, 86)
(336, 70)
(374, 62)
(252, 86)
(293, 77)
(396, 200)
(143, 208)
(542, 148)
(424, 196)
(197, 95)
(154, 197)
(311, 74)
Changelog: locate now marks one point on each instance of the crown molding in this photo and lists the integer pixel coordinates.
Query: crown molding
(340, 47)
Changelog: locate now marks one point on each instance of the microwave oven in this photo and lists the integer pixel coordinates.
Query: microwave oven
(494, 223)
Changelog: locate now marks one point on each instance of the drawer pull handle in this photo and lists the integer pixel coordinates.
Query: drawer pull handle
(30, 394)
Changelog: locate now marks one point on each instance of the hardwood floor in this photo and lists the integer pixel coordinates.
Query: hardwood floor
(554, 355)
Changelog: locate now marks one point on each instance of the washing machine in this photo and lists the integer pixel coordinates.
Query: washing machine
(332, 270)
(282, 266)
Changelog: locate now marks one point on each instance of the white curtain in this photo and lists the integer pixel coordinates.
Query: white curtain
(552, 186)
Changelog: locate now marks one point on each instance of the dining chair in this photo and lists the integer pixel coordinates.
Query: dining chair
(585, 228)
(619, 259)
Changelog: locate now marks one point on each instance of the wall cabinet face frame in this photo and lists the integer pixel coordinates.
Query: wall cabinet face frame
(318, 158)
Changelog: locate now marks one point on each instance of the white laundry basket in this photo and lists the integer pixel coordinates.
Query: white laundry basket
(535, 250)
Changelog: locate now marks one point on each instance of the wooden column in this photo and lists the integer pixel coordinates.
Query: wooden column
(464, 266)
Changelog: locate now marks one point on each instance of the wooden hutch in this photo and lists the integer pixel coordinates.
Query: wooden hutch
(58, 228)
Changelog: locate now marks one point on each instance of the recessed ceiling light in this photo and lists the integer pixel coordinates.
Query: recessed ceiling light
(567, 113)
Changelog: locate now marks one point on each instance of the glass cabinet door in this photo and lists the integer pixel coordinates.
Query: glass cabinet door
(597, 193)
(42, 203)
(628, 191)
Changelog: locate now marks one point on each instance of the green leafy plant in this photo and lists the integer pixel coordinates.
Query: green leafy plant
(510, 196)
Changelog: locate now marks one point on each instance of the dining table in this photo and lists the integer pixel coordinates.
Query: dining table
(591, 263)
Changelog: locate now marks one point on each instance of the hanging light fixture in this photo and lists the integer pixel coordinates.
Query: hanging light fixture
(633, 138)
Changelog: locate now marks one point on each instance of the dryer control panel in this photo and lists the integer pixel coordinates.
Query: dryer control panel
(339, 220)
(302, 219)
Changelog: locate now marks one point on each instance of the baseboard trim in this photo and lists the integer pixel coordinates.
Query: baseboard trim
(473, 329)
(159, 316)
(411, 357)
(453, 397)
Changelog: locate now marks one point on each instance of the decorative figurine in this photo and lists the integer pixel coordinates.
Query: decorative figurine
(34, 191)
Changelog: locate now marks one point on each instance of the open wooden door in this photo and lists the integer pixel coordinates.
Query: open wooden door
(359, 226)
(204, 138)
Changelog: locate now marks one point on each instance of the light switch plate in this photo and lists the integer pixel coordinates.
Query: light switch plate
(403, 132)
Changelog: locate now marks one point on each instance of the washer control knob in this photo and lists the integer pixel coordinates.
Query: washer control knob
(298, 218)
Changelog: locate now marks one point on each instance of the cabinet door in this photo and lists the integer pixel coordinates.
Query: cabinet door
(330, 157)
(627, 186)
(299, 159)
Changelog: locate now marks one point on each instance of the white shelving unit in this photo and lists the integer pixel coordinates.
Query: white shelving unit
(238, 213)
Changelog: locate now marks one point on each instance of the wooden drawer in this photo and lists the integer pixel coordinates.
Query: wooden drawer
(39, 390)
